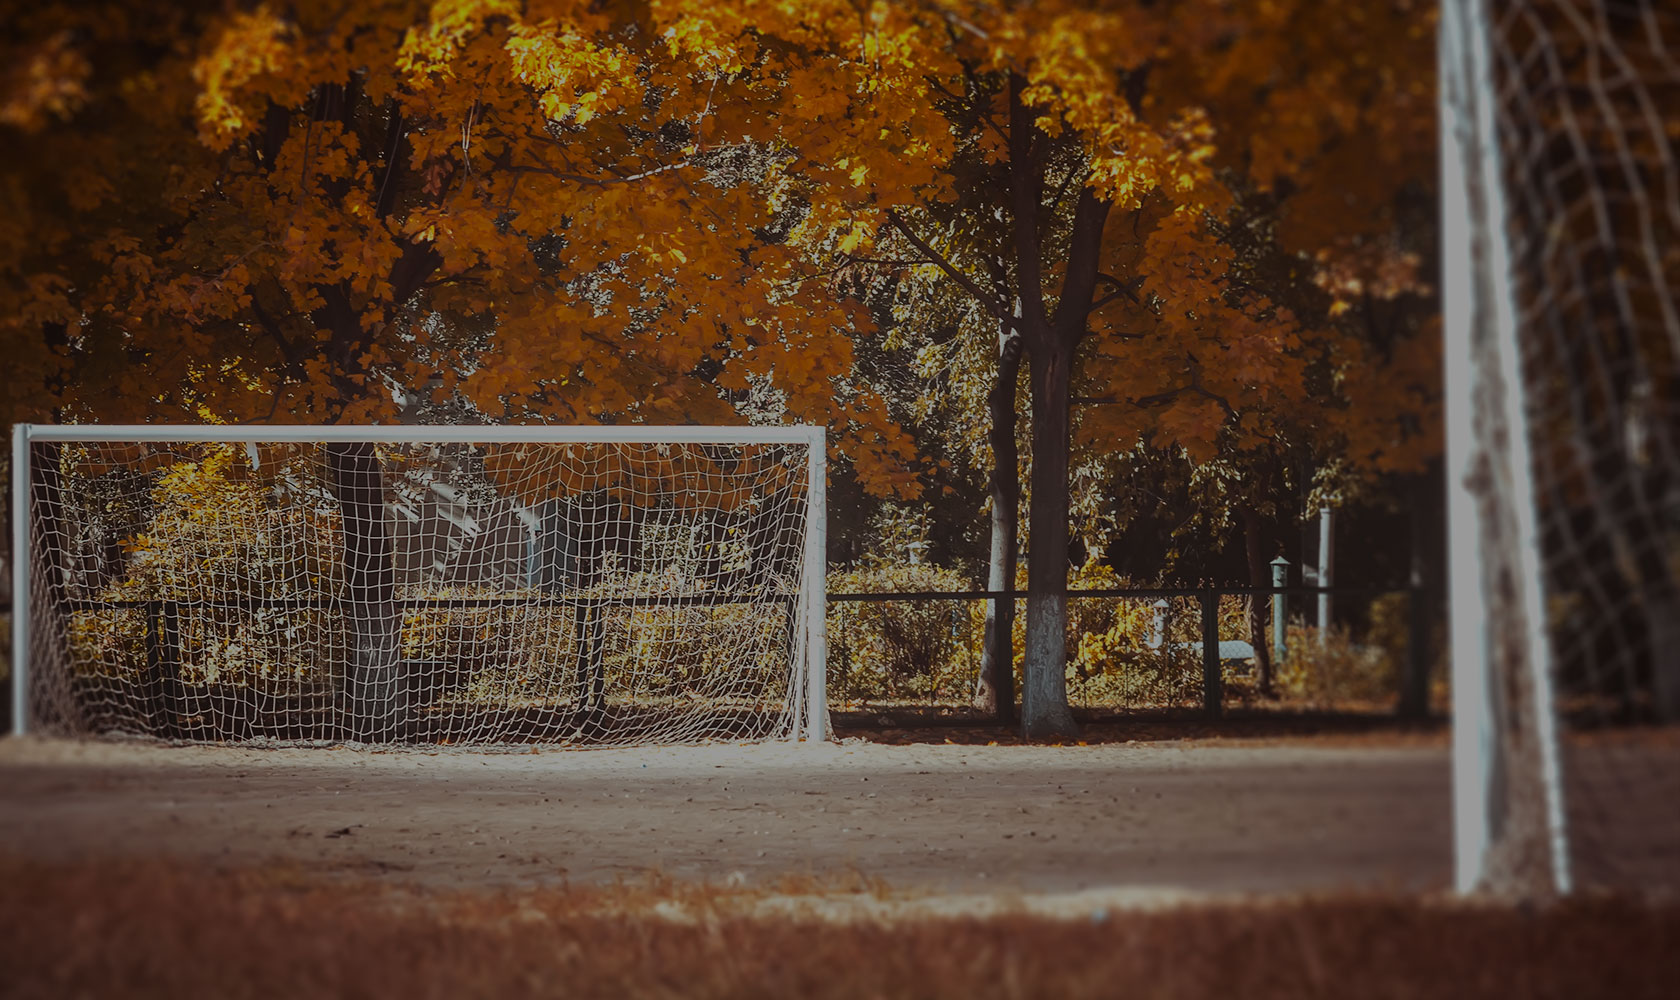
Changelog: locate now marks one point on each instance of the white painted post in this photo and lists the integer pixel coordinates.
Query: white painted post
(1280, 578)
(1158, 635)
(1478, 311)
(816, 592)
(1326, 543)
(20, 579)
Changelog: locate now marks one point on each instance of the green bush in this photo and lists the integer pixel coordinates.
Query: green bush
(902, 650)
(1326, 668)
(1112, 659)
(930, 651)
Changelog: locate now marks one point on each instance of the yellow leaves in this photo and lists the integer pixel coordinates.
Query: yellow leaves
(575, 76)
(858, 235)
(252, 47)
(430, 51)
(1350, 270)
(43, 82)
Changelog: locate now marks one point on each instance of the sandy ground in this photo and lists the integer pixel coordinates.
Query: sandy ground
(1153, 822)
(1168, 820)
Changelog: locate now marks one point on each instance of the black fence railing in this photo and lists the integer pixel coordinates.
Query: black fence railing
(161, 616)
(1413, 696)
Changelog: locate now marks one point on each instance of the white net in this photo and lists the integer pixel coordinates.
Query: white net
(1586, 107)
(467, 593)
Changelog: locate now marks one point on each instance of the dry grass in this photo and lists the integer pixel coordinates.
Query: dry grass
(157, 930)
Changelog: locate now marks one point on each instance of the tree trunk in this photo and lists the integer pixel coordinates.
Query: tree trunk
(996, 694)
(1051, 340)
(1044, 707)
(372, 623)
(1428, 578)
(1259, 575)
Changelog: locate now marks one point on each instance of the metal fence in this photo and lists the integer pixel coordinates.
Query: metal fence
(1183, 633)
(1210, 653)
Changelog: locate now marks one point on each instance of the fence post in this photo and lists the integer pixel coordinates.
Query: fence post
(1326, 570)
(1280, 578)
(1158, 634)
(1213, 692)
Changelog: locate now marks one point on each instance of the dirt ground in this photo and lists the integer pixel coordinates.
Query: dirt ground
(1163, 820)
(1154, 818)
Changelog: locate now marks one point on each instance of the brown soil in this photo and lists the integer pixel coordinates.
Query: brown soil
(942, 818)
(1149, 820)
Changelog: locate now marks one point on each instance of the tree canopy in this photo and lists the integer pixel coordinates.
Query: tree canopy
(660, 211)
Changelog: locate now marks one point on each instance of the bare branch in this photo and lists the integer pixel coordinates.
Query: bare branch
(993, 305)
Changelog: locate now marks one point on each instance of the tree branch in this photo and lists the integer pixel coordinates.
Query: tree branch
(992, 305)
(1084, 253)
(602, 181)
(1123, 293)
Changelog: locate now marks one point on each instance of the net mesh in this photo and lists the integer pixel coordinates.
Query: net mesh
(1588, 112)
(438, 593)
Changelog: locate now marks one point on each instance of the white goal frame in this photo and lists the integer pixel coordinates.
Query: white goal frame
(810, 721)
(1498, 644)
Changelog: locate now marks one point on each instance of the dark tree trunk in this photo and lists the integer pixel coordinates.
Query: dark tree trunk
(996, 694)
(1428, 579)
(1051, 341)
(1258, 576)
(372, 623)
(1044, 707)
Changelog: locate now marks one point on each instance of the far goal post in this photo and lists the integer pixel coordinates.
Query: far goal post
(473, 586)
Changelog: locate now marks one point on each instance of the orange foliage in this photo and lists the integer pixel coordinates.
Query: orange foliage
(585, 211)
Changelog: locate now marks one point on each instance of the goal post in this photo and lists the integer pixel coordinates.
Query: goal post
(20, 579)
(420, 584)
(1560, 170)
(1507, 793)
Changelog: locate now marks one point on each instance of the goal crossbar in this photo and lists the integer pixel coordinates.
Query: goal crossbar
(414, 434)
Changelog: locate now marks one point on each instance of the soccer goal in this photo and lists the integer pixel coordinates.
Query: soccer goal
(476, 586)
(1560, 127)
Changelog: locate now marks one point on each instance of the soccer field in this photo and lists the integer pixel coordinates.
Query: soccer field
(1170, 819)
(1161, 818)
(858, 869)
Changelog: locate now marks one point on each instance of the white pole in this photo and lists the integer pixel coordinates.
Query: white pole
(20, 579)
(1478, 306)
(1326, 543)
(1472, 728)
(816, 575)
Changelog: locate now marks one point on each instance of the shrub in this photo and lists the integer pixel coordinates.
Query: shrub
(1326, 668)
(890, 650)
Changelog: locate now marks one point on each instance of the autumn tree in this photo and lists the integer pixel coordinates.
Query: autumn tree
(305, 213)
(1190, 347)
(1054, 101)
(627, 212)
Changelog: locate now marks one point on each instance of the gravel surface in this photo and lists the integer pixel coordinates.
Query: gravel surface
(1169, 819)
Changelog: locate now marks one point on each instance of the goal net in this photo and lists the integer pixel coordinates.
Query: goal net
(1561, 128)
(470, 586)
